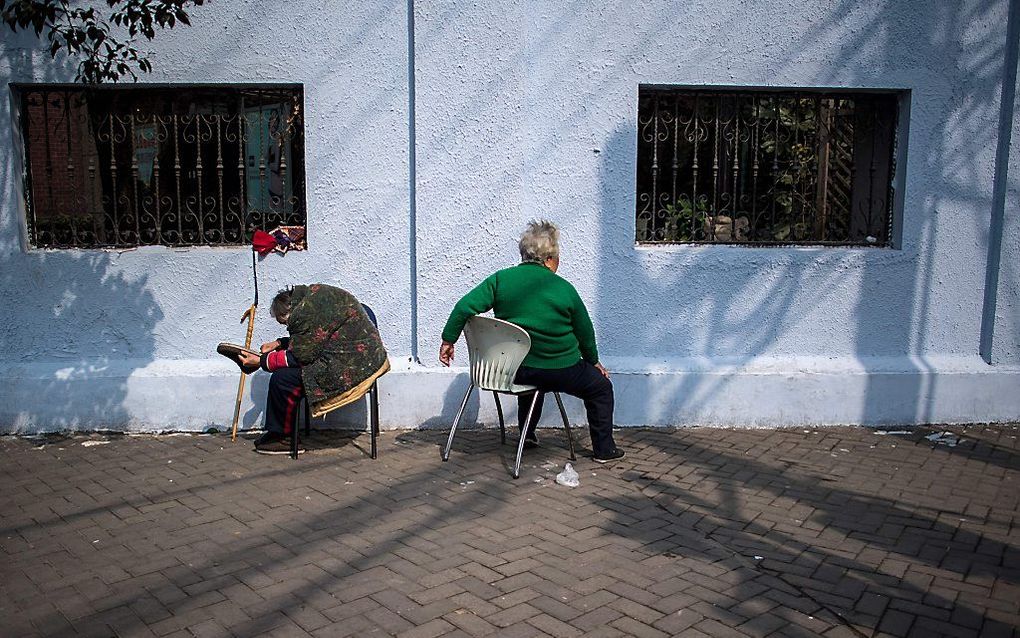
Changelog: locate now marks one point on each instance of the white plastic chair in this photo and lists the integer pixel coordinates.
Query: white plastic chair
(496, 349)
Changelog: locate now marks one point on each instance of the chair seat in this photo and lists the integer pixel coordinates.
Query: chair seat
(515, 388)
(496, 349)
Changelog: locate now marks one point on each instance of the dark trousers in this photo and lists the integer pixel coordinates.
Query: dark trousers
(582, 380)
(284, 400)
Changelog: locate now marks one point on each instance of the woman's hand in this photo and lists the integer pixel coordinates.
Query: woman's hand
(249, 359)
(446, 353)
(601, 368)
(269, 347)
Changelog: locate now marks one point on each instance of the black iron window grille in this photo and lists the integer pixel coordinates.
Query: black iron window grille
(119, 167)
(765, 167)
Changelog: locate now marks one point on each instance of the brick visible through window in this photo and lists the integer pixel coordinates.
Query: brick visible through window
(765, 167)
(165, 165)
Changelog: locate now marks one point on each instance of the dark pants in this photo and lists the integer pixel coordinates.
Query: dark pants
(284, 400)
(582, 380)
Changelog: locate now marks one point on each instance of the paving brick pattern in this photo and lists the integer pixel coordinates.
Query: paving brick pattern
(837, 532)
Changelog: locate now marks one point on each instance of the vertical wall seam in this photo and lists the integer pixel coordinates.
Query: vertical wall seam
(1000, 186)
(412, 179)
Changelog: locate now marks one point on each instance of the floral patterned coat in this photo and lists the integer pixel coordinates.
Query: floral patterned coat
(337, 345)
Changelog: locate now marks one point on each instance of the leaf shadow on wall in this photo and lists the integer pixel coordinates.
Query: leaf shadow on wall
(76, 324)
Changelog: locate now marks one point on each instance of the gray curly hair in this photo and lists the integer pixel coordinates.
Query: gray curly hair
(540, 241)
(280, 308)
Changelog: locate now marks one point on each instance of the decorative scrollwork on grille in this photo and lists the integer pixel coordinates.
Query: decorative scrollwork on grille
(117, 167)
(764, 167)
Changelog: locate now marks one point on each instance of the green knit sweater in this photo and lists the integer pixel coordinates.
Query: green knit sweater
(540, 301)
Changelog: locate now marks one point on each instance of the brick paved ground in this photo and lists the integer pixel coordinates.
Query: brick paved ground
(699, 532)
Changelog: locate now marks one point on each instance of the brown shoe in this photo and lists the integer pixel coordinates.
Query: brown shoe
(232, 352)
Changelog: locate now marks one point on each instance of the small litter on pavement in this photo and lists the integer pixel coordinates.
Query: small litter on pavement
(91, 443)
(568, 477)
(948, 438)
(883, 432)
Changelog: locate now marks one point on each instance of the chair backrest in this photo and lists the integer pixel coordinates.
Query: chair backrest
(371, 315)
(496, 349)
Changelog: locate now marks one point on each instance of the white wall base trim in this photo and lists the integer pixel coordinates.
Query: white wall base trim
(195, 395)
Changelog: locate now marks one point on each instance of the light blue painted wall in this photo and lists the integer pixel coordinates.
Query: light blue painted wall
(529, 109)
(88, 310)
(526, 109)
(1002, 330)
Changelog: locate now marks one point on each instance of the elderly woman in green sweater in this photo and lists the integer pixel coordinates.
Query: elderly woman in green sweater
(563, 356)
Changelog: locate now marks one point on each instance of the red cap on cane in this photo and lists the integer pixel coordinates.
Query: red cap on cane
(263, 243)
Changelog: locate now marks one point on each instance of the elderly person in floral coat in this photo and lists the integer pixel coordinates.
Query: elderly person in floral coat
(333, 354)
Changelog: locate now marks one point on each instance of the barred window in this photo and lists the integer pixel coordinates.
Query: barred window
(765, 167)
(125, 166)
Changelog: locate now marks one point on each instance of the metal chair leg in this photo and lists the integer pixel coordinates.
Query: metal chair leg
(520, 444)
(373, 424)
(566, 424)
(499, 411)
(294, 430)
(453, 428)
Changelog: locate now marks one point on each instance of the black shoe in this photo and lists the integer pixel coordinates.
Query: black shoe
(531, 441)
(613, 455)
(278, 445)
(268, 437)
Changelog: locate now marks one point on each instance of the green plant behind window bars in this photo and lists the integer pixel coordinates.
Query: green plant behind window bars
(764, 167)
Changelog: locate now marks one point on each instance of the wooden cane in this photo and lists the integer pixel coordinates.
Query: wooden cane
(250, 314)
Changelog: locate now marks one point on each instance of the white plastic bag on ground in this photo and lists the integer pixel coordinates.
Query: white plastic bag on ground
(948, 438)
(568, 477)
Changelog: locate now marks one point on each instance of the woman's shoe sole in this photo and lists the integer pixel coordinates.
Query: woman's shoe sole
(277, 452)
